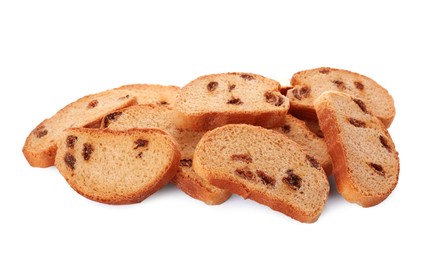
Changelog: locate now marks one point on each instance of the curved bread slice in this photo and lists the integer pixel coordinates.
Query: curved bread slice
(310, 84)
(153, 93)
(143, 116)
(265, 166)
(117, 167)
(215, 100)
(365, 161)
(40, 147)
(315, 146)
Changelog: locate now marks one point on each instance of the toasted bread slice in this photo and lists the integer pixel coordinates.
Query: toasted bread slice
(310, 84)
(117, 167)
(215, 100)
(364, 158)
(265, 166)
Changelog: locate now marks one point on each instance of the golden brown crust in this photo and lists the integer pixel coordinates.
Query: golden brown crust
(211, 120)
(199, 190)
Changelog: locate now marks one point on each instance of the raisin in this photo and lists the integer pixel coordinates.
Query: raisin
(356, 123)
(186, 162)
(111, 117)
(87, 151)
(273, 99)
(286, 129)
(359, 85)
(140, 143)
(92, 104)
(139, 155)
(241, 157)
(234, 101)
(301, 93)
(162, 103)
(378, 169)
(340, 85)
(40, 131)
(324, 70)
(292, 180)
(245, 173)
(384, 142)
(361, 104)
(70, 160)
(231, 87)
(313, 162)
(247, 76)
(124, 97)
(212, 86)
(266, 179)
(71, 140)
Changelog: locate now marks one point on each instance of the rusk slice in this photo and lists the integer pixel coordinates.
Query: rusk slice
(364, 158)
(315, 146)
(215, 100)
(40, 147)
(117, 167)
(265, 166)
(160, 116)
(310, 84)
(153, 93)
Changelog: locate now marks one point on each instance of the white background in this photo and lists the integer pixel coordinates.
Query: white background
(52, 53)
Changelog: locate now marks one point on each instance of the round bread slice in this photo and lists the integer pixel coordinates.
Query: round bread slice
(310, 84)
(160, 116)
(41, 144)
(364, 158)
(218, 99)
(153, 93)
(315, 146)
(265, 166)
(117, 167)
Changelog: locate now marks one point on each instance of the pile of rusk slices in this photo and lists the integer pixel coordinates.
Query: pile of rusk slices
(228, 133)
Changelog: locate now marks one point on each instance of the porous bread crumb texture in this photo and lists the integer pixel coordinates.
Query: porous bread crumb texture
(116, 167)
(265, 166)
(218, 99)
(365, 161)
(315, 146)
(161, 116)
(40, 145)
(310, 84)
